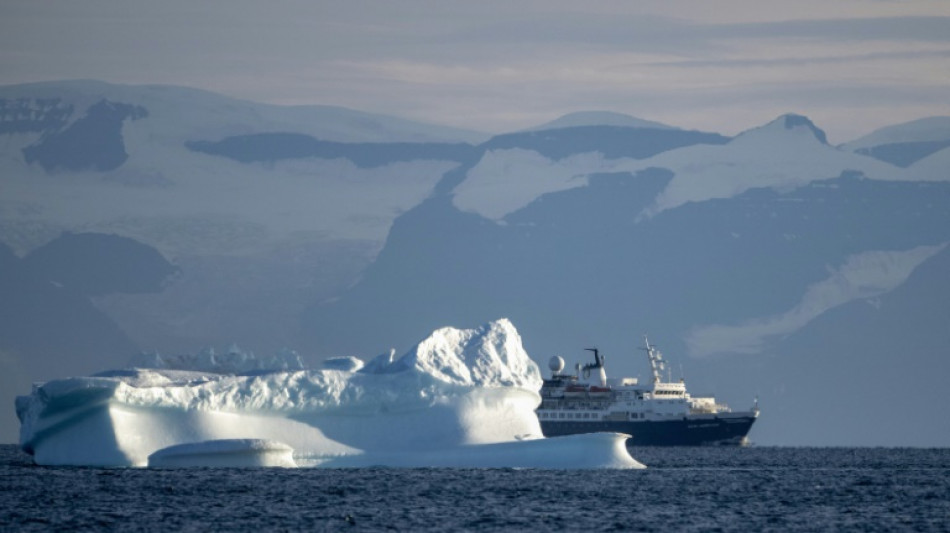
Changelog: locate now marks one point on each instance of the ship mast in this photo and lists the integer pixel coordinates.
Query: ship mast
(656, 360)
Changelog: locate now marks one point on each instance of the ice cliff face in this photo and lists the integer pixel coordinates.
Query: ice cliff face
(456, 389)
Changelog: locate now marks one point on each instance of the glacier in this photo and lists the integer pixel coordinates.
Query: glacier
(459, 398)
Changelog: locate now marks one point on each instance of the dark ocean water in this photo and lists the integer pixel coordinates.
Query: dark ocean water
(685, 489)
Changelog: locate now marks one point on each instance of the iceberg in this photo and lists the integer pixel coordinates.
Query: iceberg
(459, 398)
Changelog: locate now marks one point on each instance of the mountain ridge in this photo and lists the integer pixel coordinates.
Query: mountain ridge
(597, 118)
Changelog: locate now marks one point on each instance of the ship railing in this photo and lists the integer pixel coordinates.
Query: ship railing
(561, 405)
(704, 409)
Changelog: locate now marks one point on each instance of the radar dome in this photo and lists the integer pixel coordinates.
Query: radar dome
(556, 364)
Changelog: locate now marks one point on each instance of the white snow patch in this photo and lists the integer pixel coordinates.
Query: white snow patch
(505, 181)
(862, 276)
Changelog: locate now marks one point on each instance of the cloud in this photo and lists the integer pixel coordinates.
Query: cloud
(502, 66)
(810, 59)
(895, 28)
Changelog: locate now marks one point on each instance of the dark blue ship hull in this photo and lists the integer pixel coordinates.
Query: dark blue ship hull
(704, 431)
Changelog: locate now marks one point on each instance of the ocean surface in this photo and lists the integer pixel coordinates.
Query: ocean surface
(684, 489)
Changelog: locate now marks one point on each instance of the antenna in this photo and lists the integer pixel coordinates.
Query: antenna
(598, 359)
(597, 365)
(656, 360)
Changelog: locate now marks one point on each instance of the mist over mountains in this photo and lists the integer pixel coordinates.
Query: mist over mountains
(769, 264)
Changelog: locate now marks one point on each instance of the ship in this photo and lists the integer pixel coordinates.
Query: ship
(659, 413)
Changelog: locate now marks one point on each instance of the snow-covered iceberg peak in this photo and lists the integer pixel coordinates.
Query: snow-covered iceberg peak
(489, 356)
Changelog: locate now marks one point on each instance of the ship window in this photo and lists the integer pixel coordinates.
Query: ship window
(560, 415)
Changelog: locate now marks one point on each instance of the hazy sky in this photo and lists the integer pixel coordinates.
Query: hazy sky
(850, 65)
